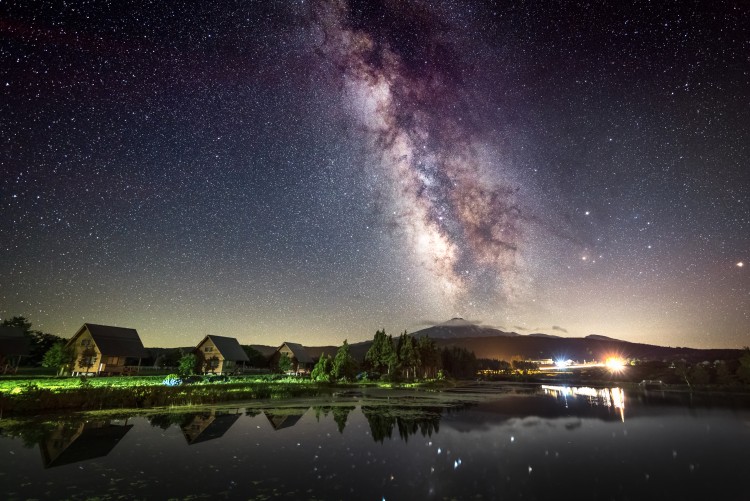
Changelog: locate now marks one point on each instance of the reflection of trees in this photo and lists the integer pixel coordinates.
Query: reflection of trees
(408, 421)
(340, 413)
(164, 421)
(30, 432)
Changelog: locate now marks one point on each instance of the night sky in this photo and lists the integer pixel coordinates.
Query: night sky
(315, 170)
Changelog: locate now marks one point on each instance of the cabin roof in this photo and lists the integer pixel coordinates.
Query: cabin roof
(229, 348)
(115, 341)
(299, 352)
(13, 341)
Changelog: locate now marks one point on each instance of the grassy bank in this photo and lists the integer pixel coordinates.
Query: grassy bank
(37, 395)
(24, 396)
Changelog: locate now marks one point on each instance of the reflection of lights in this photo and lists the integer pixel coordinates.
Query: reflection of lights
(618, 401)
(615, 364)
(608, 397)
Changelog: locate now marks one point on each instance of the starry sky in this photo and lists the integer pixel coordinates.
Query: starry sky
(316, 170)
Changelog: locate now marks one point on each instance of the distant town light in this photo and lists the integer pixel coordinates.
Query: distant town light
(615, 364)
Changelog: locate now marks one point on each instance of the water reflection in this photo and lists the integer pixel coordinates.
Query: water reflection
(608, 397)
(340, 414)
(531, 445)
(71, 442)
(285, 417)
(208, 426)
(407, 420)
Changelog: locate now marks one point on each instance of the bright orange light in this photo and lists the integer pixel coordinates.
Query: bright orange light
(615, 364)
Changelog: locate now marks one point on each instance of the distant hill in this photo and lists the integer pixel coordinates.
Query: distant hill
(580, 349)
(488, 342)
(601, 338)
(458, 328)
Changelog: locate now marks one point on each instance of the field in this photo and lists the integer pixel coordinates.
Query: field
(45, 394)
(24, 395)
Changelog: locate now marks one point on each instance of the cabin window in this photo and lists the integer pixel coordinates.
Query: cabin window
(85, 342)
(113, 360)
(208, 348)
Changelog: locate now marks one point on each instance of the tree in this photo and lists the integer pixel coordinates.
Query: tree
(18, 321)
(682, 369)
(699, 375)
(723, 376)
(58, 357)
(39, 342)
(322, 369)
(344, 365)
(255, 358)
(187, 364)
(375, 356)
(388, 357)
(743, 371)
(285, 363)
(408, 355)
(459, 362)
(429, 356)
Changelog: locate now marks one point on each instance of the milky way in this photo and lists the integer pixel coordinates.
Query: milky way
(314, 170)
(462, 224)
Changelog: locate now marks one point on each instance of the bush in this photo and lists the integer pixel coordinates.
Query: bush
(172, 380)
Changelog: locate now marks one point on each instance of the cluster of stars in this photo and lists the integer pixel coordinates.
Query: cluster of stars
(316, 170)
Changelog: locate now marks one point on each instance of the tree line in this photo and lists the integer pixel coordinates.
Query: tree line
(404, 358)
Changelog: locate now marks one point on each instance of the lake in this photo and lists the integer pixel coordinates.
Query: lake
(481, 442)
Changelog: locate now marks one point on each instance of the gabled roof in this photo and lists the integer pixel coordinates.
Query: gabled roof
(299, 352)
(209, 427)
(92, 442)
(13, 342)
(115, 341)
(229, 348)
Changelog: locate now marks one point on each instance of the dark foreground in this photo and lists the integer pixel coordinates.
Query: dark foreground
(484, 442)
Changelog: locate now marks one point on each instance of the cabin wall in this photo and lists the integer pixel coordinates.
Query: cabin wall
(87, 355)
(209, 358)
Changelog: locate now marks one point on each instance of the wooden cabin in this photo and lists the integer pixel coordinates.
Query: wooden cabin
(302, 362)
(106, 350)
(220, 355)
(14, 344)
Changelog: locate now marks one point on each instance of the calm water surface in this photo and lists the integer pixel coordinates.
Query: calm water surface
(486, 442)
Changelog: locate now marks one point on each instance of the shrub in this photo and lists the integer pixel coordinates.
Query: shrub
(172, 380)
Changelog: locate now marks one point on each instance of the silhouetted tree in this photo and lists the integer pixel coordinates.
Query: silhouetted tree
(723, 375)
(188, 364)
(699, 375)
(344, 365)
(743, 371)
(429, 357)
(322, 370)
(376, 355)
(39, 342)
(408, 355)
(255, 358)
(459, 362)
(285, 363)
(58, 357)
